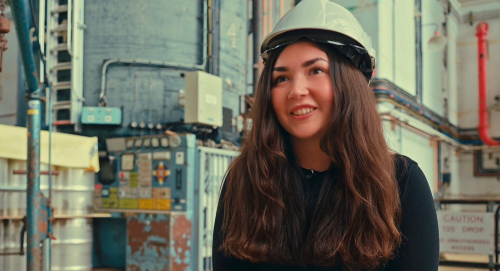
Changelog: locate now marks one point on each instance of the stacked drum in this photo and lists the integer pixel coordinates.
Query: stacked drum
(72, 192)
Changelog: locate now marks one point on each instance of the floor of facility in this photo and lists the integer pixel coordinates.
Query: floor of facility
(465, 258)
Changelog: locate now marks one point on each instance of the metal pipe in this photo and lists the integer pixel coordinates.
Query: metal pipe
(482, 32)
(497, 213)
(36, 226)
(163, 64)
(282, 8)
(257, 31)
(418, 50)
(69, 25)
(140, 62)
(264, 19)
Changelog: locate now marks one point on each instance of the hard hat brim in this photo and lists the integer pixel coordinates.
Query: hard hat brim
(347, 46)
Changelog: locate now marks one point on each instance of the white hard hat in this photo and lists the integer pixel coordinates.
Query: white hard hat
(328, 22)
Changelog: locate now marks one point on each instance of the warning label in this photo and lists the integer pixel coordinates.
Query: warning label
(463, 232)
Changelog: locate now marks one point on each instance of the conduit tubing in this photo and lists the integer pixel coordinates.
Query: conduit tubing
(482, 32)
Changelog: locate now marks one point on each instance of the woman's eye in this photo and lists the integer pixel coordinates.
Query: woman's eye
(317, 71)
(280, 79)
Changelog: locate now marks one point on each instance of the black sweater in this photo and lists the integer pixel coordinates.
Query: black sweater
(419, 250)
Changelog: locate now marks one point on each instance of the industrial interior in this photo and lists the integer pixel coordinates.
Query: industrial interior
(137, 108)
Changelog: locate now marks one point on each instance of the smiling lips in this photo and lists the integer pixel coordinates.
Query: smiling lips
(303, 111)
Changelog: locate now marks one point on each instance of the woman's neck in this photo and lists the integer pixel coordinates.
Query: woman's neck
(309, 155)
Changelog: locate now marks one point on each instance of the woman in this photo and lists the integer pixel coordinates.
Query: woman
(315, 186)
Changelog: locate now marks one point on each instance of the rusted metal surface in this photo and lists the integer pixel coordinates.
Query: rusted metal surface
(37, 216)
(160, 243)
(148, 243)
(181, 251)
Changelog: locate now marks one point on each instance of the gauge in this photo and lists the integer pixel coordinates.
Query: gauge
(147, 142)
(138, 143)
(164, 142)
(155, 142)
(175, 141)
(128, 162)
(130, 143)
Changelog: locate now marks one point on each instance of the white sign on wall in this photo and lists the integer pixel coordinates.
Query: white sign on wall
(466, 232)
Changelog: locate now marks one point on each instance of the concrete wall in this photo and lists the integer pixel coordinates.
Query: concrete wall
(155, 30)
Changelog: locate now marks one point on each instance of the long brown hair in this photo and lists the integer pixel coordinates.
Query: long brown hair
(356, 218)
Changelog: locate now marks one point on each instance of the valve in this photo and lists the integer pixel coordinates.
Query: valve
(4, 24)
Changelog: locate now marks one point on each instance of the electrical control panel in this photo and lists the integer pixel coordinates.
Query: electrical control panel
(151, 173)
(101, 115)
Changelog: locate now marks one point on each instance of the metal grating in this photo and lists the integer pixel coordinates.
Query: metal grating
(213, 164)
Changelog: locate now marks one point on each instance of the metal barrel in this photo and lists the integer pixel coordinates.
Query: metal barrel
(73, 192)
(72, 250)
(73, 196)
(16, 188)
(4, 176)
(11, 242)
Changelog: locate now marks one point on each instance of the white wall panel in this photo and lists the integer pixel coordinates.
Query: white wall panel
(404, 49)
(432, 12)
(419, 149)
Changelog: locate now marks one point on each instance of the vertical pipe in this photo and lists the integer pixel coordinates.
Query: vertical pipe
(394, 41)
(435, 146)
(497, 217)
(257, 38)
(418, 50)
(282, 8)
(216, 36)
(482, 49)
(36, 224)
(491, 209)
(271, 16)
(264, 18)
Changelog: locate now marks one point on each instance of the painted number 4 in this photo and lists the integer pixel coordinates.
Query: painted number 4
(231, 32)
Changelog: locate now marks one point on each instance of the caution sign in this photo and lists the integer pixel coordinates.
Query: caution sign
(466, 232)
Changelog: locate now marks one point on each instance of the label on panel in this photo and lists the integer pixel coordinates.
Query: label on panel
(163, 204)
(129, 203)
(110, 203)
(148, 204)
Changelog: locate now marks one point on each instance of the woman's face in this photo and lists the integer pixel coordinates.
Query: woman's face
(302, 91)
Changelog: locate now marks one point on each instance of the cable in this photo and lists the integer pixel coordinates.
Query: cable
(42, 56)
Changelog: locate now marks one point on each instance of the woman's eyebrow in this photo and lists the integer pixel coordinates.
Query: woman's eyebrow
(304, 65)
(312, 61)
(280, 69)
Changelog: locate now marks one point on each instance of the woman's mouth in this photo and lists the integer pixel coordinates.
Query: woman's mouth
(303, 111)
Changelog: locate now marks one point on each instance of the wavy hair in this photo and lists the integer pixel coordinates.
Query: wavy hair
(356, 218)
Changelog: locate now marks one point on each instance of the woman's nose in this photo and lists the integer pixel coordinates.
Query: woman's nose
(298, 88)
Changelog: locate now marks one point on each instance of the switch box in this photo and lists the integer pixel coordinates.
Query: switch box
(203, 100)
(101, 115)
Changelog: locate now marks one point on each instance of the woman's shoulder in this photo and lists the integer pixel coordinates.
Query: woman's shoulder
(407, 170)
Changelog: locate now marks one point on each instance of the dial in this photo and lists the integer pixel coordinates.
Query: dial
(138, 143)
(128, 162)
(164, 142)
(130, 143)
(175, 141)
(155, 142)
